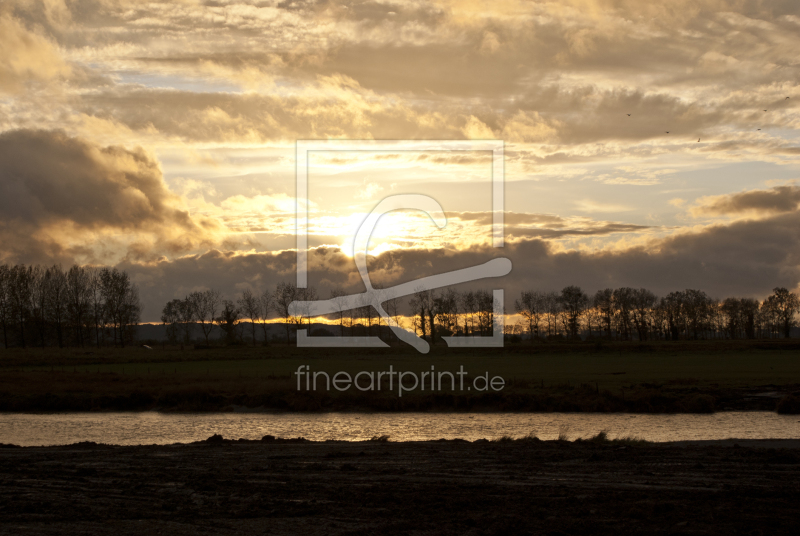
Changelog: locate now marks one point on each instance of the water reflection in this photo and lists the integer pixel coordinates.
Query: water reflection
(160, 428)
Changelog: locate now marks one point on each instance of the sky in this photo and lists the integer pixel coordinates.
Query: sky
(646, 144)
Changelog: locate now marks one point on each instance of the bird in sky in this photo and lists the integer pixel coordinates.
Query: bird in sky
(765, 110)
(698, 140)
(667, 131)
(759, 129)
(787, 98)
(630, 114)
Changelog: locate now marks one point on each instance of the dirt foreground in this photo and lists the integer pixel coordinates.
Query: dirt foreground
(445, 487)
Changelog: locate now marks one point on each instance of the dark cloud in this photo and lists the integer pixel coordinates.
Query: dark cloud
(338, 109)
(53, 185)
(594, 230)
(550, 226)
(341, 107)
(742, 259)
(776, 200)
(518, 218)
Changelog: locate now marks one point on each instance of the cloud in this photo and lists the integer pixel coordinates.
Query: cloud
(780, 199)
(26, 56)
(560, 75)
(746, 258)
(61, 190)
(592, 206)
(548, 226)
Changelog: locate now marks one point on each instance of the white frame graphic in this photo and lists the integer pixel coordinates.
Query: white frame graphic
(490, 269)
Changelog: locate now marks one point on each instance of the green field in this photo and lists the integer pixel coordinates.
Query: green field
(700, 363)
(102, 379)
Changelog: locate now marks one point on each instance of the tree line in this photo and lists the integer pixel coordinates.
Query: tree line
(240, 319)
(434, 314)
(638, 314)
(98, 306)
(81, 306)
(208, 309)
(618, 314)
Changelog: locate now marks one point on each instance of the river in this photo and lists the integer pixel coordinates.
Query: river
(147, 428)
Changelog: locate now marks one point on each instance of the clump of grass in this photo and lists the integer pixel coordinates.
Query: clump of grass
(631, 441)
(503, 439)
(601, 437)
(563, 432)
(380, 439)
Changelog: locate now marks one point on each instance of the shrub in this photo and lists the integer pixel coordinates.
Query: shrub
(699, 404)
(789, 405)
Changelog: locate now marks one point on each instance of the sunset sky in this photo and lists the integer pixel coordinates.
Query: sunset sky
(160, 138)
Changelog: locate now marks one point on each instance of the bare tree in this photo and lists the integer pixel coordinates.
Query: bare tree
(593, 318)
(171, 319)
(96, 301)
(421, 304)
(337, 295)
(205, 306)
(769, 317)
(305, 295)
(552, 307)
(5, 300)
(267, 303)
(446, 306)
(622, 303)
(78, 300)
(673, 307)
(121, 304)
(643, 302)
(485, 305)
(285, 294)
(392, 308)
(730, 309)
(785, 305)
(364, 313)
(186, 317)
(250, 305)
(470, 307)
(696, 308)
(531, 307)
(604, 305)
(131, 314)
(749, 312)
(21, 283)
(228, 320)
(57, 292)
(38, 299)
(111, 289)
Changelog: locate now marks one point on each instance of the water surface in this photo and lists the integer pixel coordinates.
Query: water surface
(147, 428)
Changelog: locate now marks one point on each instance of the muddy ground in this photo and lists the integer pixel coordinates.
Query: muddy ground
(445, 487)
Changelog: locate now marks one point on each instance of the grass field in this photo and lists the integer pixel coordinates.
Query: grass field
(606, 377)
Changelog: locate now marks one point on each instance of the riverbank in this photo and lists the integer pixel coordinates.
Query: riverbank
(441, 487)
(61, 391)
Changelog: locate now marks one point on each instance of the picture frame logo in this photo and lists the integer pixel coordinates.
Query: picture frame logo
(375, 297)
